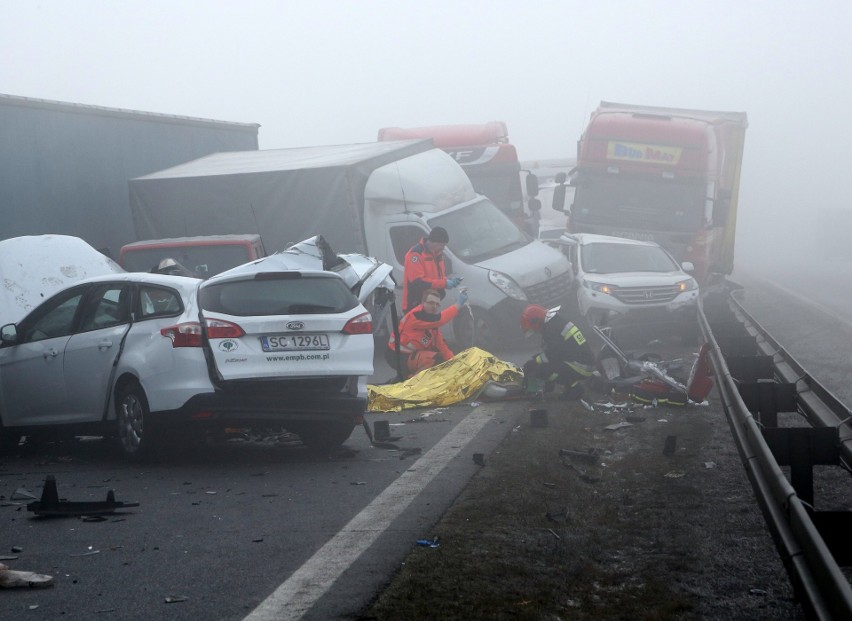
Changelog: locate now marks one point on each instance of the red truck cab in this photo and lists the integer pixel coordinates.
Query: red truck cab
(665, 175)
(484, 152)
(203, 256)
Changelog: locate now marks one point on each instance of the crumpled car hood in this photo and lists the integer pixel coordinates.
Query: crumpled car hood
(34, 267)
(362, 274)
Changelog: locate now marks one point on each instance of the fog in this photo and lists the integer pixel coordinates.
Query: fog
(334, 72)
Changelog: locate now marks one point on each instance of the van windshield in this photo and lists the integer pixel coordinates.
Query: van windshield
(480, 231)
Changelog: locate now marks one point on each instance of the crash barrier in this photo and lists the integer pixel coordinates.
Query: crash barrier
(758, 379)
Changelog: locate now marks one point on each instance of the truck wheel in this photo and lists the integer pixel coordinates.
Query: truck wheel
(479, 331)
(323, 436)
(131, 414)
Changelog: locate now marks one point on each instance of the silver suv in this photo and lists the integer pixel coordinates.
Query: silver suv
(635, 284)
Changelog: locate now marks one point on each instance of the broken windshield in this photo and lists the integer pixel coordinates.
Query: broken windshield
(480, 231)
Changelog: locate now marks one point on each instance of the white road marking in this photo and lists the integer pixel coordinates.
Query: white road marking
(313, 579)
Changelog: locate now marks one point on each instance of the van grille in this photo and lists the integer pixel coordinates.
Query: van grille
(551, 291)
(646, 295)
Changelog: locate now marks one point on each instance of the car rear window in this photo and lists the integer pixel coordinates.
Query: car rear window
(284, 295)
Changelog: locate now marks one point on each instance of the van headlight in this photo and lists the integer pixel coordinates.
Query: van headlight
(508, 286)
(686, 285)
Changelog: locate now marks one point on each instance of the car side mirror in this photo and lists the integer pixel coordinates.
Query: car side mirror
(687, 266)
(559, 197)
(534, 205)
(531, 181)
(9, 334)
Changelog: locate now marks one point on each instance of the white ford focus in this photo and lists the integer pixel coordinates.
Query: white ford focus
(285, 340)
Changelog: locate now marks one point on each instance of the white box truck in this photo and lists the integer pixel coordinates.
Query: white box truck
(373, 198)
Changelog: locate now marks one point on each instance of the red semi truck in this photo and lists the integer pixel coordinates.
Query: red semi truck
(668, 175)
(485, 154)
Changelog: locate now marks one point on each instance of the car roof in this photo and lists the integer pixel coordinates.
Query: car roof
(201, 240)
(591, 238)
(184, 283)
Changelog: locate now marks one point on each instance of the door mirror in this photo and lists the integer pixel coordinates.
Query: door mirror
(687, 267)
(532, 185)
(559, 197)
(9, 334)
(534, 205)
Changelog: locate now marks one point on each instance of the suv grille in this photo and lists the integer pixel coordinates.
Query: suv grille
(550, 291)
(646, 295)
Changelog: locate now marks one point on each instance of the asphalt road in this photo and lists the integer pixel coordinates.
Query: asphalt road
(266, 529)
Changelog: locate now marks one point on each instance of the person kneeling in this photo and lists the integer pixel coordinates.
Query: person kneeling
(566, 358)
(421, 344)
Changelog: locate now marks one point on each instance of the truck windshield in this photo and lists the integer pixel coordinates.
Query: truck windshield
(631, 202)
(502, 184)
(480, 231)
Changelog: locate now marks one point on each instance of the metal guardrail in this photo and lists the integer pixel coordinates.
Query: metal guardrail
(757, 379)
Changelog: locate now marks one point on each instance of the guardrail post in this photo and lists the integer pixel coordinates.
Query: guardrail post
(802, 448)
(767, 398)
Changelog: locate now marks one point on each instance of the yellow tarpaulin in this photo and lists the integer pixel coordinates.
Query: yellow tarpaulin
(449, 382)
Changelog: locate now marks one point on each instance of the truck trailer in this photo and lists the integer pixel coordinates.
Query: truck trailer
(64, 167)
(376, 199)
(668, 175)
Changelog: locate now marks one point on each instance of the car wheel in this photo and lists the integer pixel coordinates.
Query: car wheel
(476, 331)
(323, 436)
(9, 440)
(131, 414)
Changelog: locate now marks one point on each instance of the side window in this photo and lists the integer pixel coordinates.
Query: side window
(158, 302)
(403, 238)
(57, 320)
(109, 305)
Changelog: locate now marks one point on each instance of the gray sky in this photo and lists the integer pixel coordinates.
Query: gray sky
(334, 72)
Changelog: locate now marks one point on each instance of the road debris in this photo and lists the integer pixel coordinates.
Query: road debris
(11, 579)
(51, 505)
(429, 543)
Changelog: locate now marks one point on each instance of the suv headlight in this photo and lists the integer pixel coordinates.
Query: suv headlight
(686, 285)
(507, 285)
(600, 287)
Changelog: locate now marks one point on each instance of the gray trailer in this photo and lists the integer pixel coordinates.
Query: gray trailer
(64, 167)
(286, 195)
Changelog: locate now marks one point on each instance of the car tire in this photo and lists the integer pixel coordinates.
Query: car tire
(132, 425)
(323, 436)
(9, 440)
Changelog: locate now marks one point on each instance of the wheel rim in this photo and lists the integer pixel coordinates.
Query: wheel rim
(130, 423)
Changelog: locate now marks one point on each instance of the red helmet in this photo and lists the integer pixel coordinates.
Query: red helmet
(533, 318)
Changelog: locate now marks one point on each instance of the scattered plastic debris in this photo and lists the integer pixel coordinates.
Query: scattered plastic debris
(709, 464)
(175, 599)
(616, 426)
(22, 494)
(674, 474)
(429, 543)
(357, 483)
(11, 579)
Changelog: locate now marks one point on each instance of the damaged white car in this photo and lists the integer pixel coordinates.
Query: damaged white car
(285, 340)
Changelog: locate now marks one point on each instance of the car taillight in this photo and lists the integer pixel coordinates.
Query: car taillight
(219, 329)
(184, 334)
(362, 324)
(189, 334)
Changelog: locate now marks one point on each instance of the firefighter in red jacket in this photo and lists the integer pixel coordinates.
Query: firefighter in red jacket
(424, 269)
(421, 344)
(567, 357)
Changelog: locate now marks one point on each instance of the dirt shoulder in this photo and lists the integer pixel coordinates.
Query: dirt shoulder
(635, 533)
